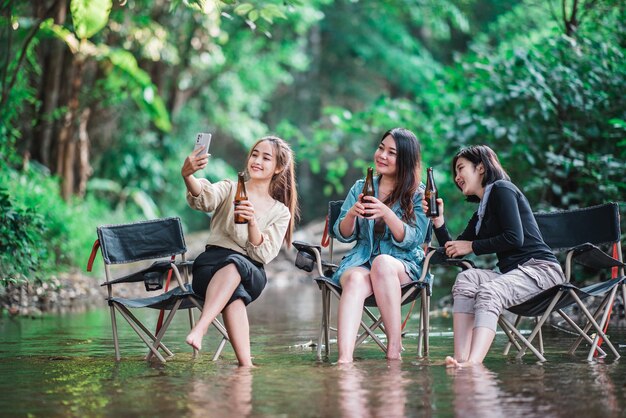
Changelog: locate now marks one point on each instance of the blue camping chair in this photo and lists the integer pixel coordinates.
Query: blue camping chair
(309, 259)
(141, 241)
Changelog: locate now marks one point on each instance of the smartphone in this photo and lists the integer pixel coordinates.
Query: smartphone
(203, 140)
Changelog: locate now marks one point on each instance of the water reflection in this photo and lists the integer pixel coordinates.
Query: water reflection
(476, 392)
(605, 388)
(230, 396)
(378, 394)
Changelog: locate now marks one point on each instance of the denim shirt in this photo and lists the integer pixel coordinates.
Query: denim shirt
(409, 251)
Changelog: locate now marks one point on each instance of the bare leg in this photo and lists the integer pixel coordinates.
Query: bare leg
(356, 287)
(481, 341)
(386, 275)
(236, 321)
(219, 291)
(463, 326)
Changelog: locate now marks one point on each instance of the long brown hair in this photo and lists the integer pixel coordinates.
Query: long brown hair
(408, 163)
(283, 183)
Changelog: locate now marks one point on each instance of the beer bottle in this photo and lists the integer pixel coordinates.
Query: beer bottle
(431, 195)
(239, 196)
(368, 186)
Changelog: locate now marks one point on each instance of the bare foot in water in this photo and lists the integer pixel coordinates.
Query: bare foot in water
(451, 362)
(194, 339)
(394, 357)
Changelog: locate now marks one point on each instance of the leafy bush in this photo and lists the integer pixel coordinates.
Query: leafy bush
(22, 248)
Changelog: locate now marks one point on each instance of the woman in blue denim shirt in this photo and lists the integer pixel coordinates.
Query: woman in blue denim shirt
(388, 249)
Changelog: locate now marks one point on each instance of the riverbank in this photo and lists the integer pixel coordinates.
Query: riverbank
(77, 290)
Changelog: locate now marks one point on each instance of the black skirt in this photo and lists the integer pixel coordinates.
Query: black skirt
(253, 278)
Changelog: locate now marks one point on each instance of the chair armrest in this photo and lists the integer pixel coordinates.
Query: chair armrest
(590, 255)
(439, 258)
(310, 256)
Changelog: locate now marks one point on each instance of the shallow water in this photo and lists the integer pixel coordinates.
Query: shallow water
(63, 366)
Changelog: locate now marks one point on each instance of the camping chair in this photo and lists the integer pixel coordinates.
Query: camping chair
(579, 232)
(149, 240)
(309, 258)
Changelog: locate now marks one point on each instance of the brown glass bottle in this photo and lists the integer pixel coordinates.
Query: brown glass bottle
(239, 196)
(431, 195)
(368, 186)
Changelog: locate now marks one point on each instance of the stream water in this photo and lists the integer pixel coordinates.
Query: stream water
(63, 365)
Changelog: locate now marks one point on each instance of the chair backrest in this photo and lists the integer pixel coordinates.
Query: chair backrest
(127, 243)
(566, 229)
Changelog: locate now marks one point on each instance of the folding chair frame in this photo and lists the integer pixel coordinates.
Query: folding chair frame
(181, 297)
(568, 294)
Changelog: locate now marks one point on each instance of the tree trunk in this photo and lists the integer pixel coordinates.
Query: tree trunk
(66, 156)
(84, 168)
(52, 70)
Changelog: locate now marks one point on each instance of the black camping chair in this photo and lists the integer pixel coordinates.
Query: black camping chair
(149, 240)
(579, 232)
(309, 258)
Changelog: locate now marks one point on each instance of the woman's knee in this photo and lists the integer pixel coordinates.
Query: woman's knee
(229, 270)
(489, 299)
(383, 264)
(357, 281)
(465, 284)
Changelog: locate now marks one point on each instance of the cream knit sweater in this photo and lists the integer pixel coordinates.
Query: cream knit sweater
(219, 198)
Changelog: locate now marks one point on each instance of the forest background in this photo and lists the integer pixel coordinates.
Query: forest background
(100, 101)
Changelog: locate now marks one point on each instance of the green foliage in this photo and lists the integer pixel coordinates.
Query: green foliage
(89, 16)
(546, 109)
(22, 245)
(41, 233)
(128, 78)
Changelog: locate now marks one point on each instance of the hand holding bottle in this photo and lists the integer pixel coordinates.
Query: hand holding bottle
(373, 208)
(242, 204)
(439, 220)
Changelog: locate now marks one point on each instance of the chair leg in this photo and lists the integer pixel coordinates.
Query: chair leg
(166, 324)
(327, 328)
(116, 343)
(128, 315)
(580, 332)
(539, 324)
(323, 326)
(540, 336)
(507, 347)
(369, 331)
(510, 336)
(588, 326)
(426, 325)
(220, 328)
(523, 340)
(220, 347)
(420, 327)
(599, 331)
(135, 326)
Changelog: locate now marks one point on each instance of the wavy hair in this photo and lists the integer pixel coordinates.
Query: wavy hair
(283, 183)
(408, 168)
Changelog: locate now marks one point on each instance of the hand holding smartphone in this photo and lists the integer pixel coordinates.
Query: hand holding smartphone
(203, 140)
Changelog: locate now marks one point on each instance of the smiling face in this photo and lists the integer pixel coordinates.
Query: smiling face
(385, 157)
(262, 161)
(469, 177)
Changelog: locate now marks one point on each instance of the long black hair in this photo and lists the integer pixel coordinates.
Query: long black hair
(481, 154)
(408, 168)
